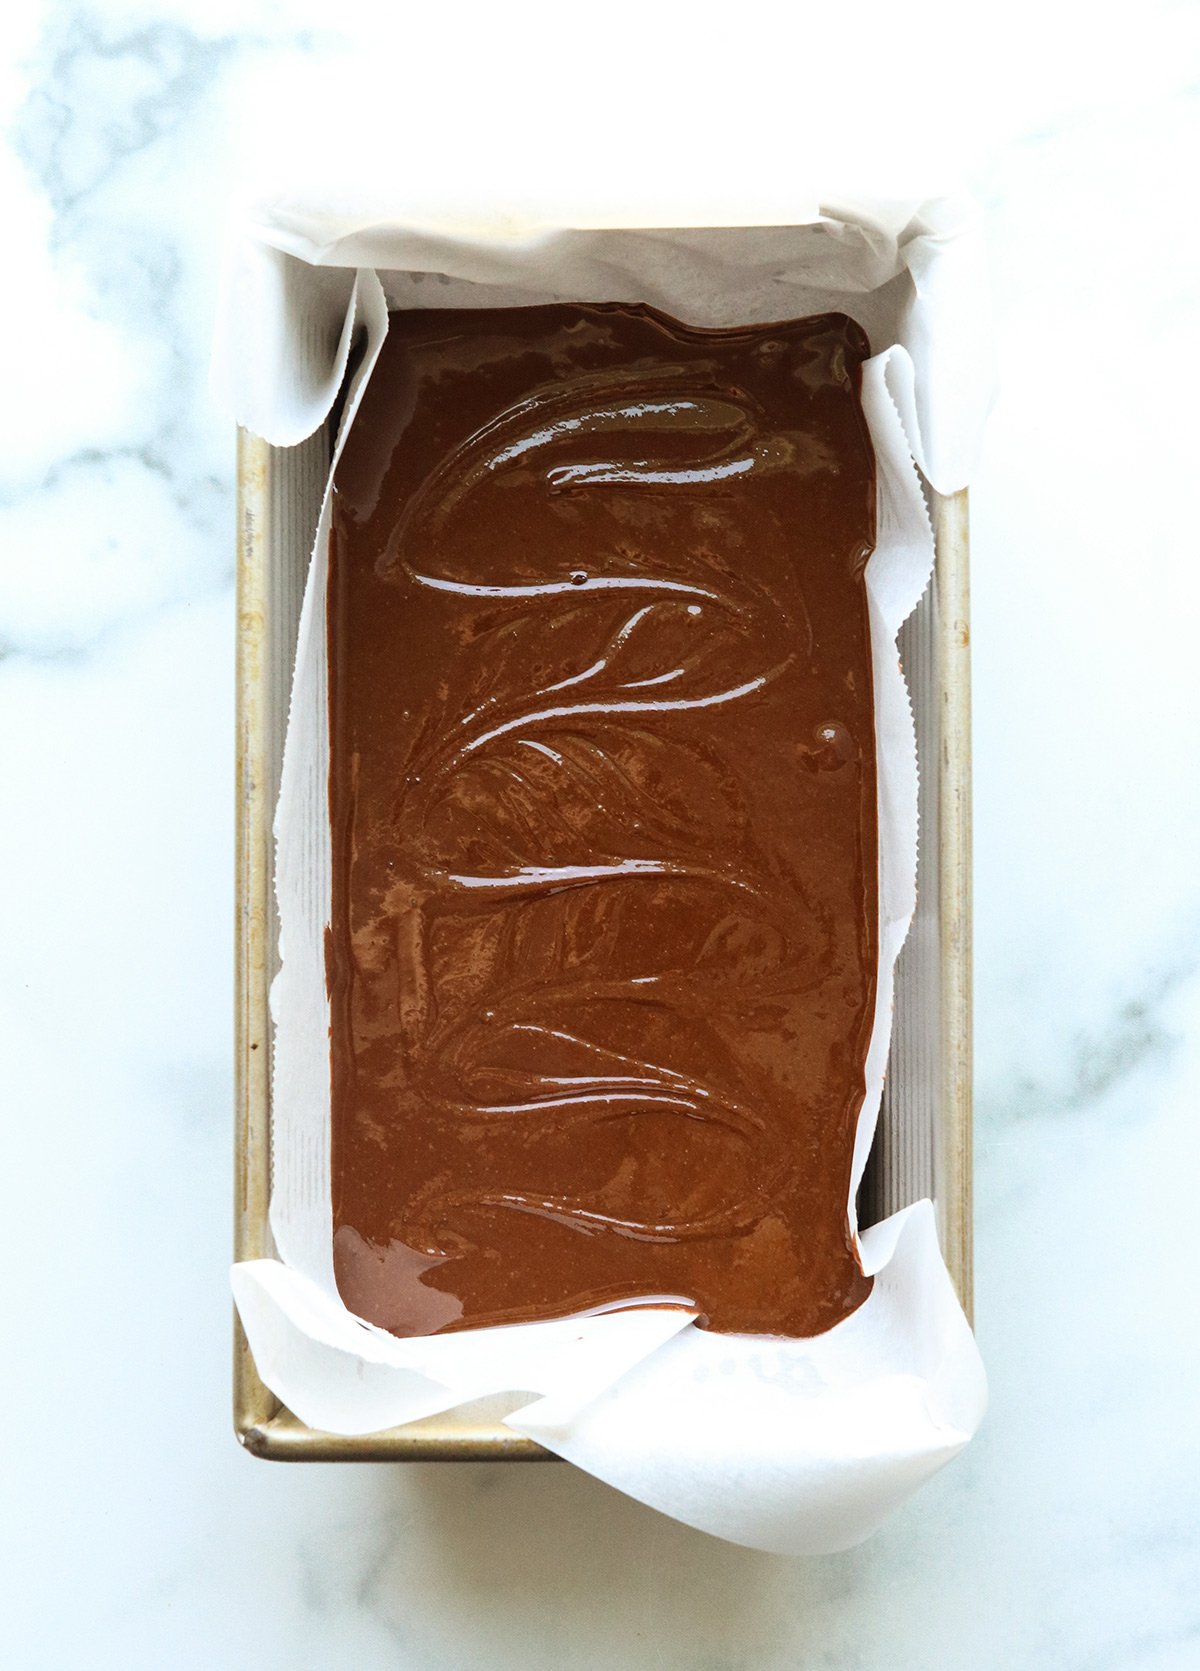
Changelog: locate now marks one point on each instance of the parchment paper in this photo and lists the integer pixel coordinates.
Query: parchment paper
(796, 1446)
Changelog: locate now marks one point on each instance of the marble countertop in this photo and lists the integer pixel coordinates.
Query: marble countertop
(137, 1534)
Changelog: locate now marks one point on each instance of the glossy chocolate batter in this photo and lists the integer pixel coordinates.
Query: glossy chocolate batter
(603, 945)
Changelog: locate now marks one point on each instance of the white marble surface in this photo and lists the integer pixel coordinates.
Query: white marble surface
(137, 1535)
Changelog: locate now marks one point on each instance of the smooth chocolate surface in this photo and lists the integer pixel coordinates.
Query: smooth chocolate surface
(603, 946)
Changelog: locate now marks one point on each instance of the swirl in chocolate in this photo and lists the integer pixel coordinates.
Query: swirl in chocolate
(603, 948)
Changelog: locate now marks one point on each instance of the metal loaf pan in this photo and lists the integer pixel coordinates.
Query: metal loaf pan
(923, 1144)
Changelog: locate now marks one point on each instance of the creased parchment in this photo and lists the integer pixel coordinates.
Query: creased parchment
(796, 1446)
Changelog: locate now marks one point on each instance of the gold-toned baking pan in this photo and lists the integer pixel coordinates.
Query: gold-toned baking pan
(923, 1145)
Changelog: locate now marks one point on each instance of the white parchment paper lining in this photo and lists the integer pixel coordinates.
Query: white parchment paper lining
(795, 1446)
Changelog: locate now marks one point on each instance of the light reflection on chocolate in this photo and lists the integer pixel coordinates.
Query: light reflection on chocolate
(602, 958)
